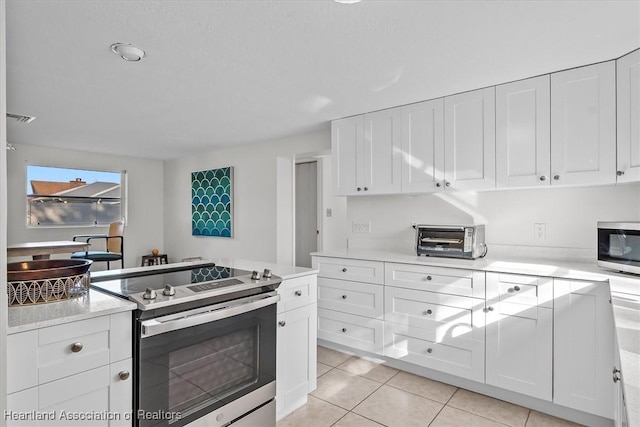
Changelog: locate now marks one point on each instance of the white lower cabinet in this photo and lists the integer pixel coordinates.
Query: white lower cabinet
(519, 334)
(296, 343)
(583, 347)
(82, 374)
(437, 331)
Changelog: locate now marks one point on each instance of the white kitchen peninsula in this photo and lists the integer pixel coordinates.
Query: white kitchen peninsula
(520, 291)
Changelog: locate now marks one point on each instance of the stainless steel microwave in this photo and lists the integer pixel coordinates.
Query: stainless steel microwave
(451, 241)
(619, 246)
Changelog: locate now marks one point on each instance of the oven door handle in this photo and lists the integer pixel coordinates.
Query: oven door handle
(157, 326)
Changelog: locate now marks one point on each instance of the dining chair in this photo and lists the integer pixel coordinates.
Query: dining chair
(114, 245)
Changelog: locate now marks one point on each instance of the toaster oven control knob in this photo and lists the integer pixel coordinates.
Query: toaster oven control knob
(255, 275)
(438, 185)
(543, 178)
(169, 290)
(447, 183)
(149, 294)
(266, 273)
(556, 177)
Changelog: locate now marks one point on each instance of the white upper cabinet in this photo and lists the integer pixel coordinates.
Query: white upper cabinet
(470, 140)
(346, 142)
(523, 134)
(583, 125)
(422, 154)
(628, 85)
(381, 153)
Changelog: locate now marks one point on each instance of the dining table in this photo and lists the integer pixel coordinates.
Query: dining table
(43, 250)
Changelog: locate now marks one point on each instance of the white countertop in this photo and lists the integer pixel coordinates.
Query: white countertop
(625, 298)
(93, 304)
(620, 282)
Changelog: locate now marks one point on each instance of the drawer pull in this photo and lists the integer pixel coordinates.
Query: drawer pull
(344, 329)
(488, 309)
(428, 312)
(282, 323)
(429, 350)
(428, 277)
(76, 347)
(298, 293)
(616, 377)
(344, 297)
(124, 375)
(344, 270)
(514, 289)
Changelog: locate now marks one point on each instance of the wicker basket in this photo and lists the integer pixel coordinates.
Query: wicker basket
(40, 282)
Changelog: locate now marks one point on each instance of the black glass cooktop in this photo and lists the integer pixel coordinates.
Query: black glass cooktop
(157, 279)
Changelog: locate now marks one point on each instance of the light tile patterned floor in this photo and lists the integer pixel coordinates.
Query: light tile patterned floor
(354, 392)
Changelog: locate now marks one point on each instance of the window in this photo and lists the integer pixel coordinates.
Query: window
(73, 197)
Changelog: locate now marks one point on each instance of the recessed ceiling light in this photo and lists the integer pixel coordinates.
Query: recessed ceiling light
(347, 1)
(127, 51)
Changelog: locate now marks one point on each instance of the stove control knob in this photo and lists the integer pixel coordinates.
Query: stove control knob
(255, 275)
(149, 294)
(169, 290)
(266, 273)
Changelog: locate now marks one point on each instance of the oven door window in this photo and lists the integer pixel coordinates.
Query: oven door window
(187, 373)
(622, 246)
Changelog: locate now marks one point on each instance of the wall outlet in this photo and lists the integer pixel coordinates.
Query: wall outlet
(540, 230)
(329, 213)
(361, 227)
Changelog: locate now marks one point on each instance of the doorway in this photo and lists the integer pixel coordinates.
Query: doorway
(306, 212)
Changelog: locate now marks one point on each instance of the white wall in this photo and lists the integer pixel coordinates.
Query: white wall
(3, 209)
(570, 215)
(255, 190)
(145, 195)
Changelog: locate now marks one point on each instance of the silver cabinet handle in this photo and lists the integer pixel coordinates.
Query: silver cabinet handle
(487, 309)
(429, 277)
(447, 183)
(429, 350)
(620, 173)
(514, 289)
(298, 293)
(344, 297)
(543, 178)
(344, 329)
(428, 312)
(76, 347)
(438, 185)
(359, 189)
(123, 375)
(366, 189)
(616, 376)
(282, 323)
(556, 177)
(344, 270)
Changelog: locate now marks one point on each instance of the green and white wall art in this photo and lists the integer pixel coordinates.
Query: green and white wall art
(212, 202)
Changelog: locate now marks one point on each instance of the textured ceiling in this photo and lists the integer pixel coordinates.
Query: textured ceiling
(221, 73)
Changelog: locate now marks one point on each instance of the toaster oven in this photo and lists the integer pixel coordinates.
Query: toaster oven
(452, 241)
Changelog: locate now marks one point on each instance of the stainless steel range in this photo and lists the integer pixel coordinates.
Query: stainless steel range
(204, 344)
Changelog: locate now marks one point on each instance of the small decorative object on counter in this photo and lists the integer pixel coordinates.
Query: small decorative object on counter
(154, 259)
(44, 281)
(155, 252)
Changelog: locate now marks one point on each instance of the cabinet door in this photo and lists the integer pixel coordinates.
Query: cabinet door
(583, 346)
(423, 146)
(519, 340)
(296, 364)
(346, 142)
(381, 153)
(470, 140)
(628, 85)
(583, 125)
(523, 134)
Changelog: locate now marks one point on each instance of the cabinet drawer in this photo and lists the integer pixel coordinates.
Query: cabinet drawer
(297, 292)
(446, 315)
(71, 348)
(459, 356)
(350, 269)
(363, 299)
(452, 281)
(531, 291)
(353, 331)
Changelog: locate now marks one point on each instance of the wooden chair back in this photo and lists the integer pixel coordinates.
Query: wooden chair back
(115, 229)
